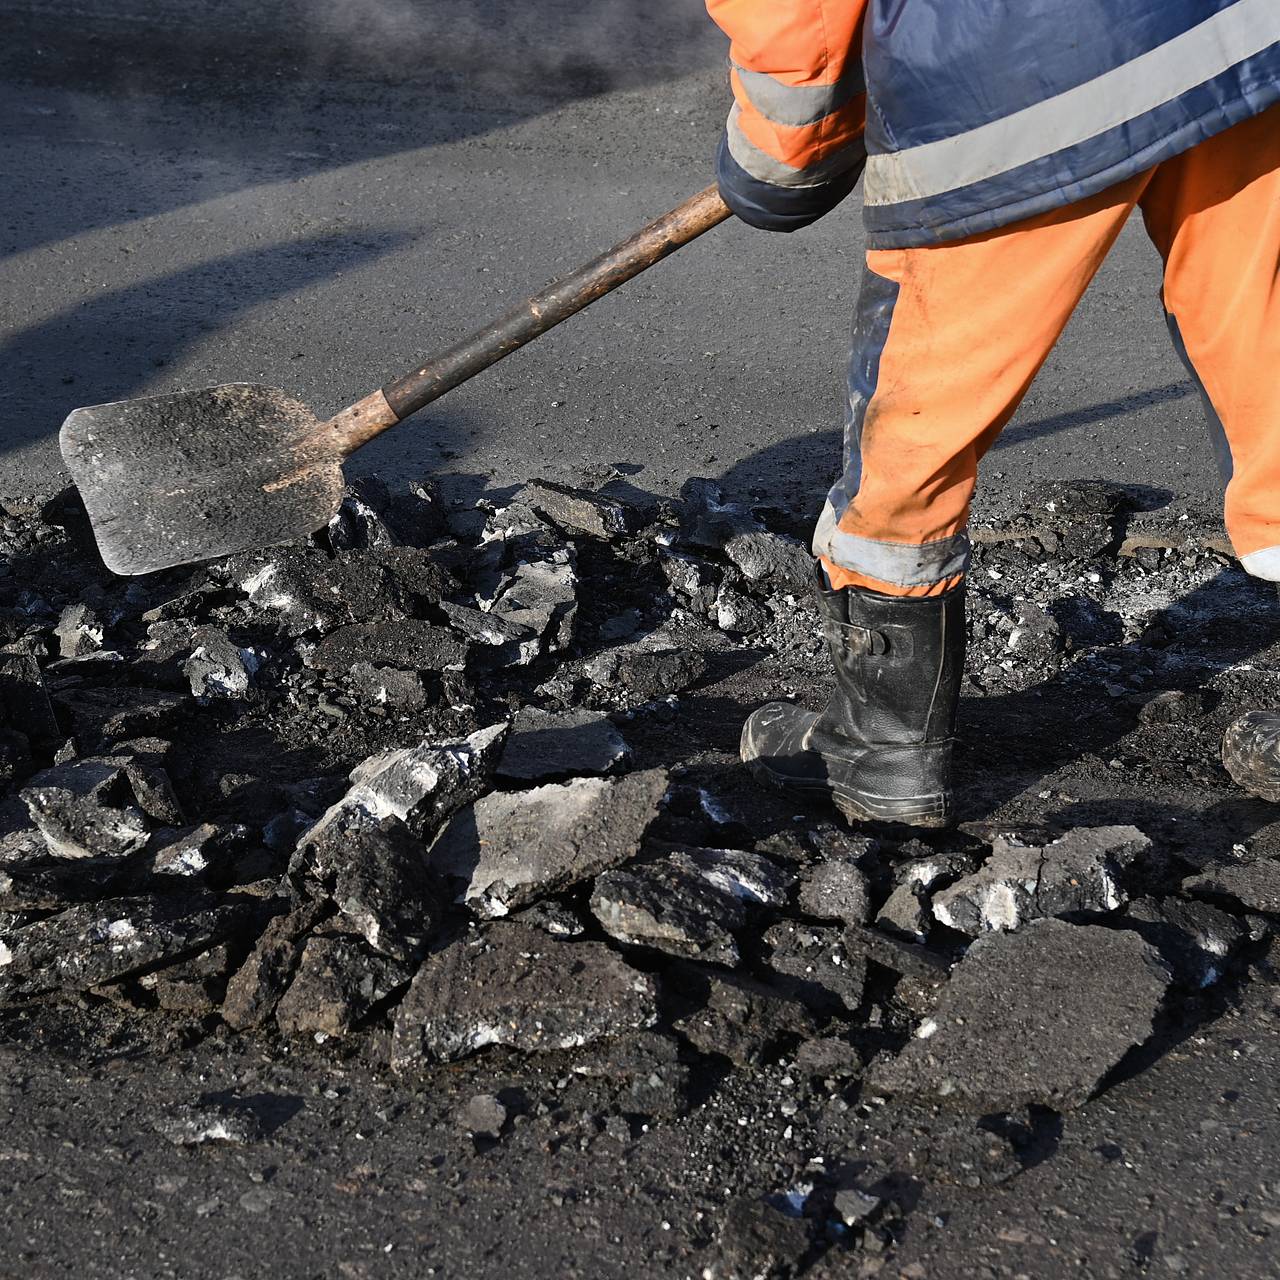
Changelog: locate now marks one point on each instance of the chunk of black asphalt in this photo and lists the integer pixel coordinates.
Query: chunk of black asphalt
(1063, 1003)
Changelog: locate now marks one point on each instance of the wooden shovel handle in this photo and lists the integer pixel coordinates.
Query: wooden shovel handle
(374, 414)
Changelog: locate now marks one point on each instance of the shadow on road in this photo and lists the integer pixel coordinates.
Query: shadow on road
(300, 86)
(112, 346)
(1022, 432)
(1012, 741)
(795, 474)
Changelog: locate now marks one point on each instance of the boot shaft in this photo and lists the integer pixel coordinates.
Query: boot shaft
(898, 661)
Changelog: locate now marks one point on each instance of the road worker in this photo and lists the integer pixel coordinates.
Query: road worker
(1002, 148)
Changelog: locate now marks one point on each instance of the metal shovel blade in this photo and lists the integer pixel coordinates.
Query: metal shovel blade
(168, 480)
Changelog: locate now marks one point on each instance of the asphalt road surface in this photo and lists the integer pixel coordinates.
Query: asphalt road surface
(314, 195)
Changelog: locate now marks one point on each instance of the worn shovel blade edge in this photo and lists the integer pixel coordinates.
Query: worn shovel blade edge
(69, 434)
(145, 521)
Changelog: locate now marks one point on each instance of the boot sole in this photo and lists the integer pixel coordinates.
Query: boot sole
(933, 812)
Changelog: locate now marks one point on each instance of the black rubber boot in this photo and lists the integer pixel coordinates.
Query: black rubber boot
(882, 748)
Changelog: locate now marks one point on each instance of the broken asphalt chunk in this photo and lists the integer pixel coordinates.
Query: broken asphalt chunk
(541, 596)
(144, 761)
(483, 1117)
(194, 853)
(496, 640)
(1035, 635)
(737, 612)
(422, 785)
(79, 631)
(1196, 940)
(95, 943)
(254, 990)
(813, 964)
(515, 986)
(406, 643)
(24, 701)
(784, 563)
(906, 913)
(1174, 706)
(708, 520)
(1249, 886)
(828, 1057)
(526, 574)
(512, 847)
(693, 580)
(357, 525)
(552, 917)
(85, 809)
(645, 671)
(665, 906)
(387, 687)
(376, 875)
(194, 986)
(44, 884)
(415, 576)
(305, 591)
(579, 510)
(409, 513)
(835, 890)
(22, 845)
(102, 716)
(688, 902)
(415, 513)
(1063, 1003)
(921, 973)
(218, 668)
(856, 1207)
(191, 1124)
(1079, 872)
(337, 983)
(547, 745)
(734, 1016)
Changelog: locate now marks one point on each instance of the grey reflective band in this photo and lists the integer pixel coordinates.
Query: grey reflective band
(1263, 564)
(797, 105)
(903, 564)
(1124, 93)
(759, 164)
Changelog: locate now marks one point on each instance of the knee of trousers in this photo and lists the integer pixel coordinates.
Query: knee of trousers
(897, 564)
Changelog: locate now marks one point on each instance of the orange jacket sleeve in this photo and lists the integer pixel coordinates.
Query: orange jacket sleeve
(793, 145)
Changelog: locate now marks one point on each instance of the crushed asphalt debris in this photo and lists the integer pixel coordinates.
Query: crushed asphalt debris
(443, 788)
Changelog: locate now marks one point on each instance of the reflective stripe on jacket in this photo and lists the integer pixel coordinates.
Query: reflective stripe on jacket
(976, 114)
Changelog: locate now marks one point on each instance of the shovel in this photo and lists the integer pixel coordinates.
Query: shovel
(172, 479)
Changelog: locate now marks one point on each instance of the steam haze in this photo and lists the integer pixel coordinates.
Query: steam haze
(533, 47)
(543, 48)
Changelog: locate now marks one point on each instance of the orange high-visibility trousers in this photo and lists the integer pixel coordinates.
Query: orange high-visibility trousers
(948, 338)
